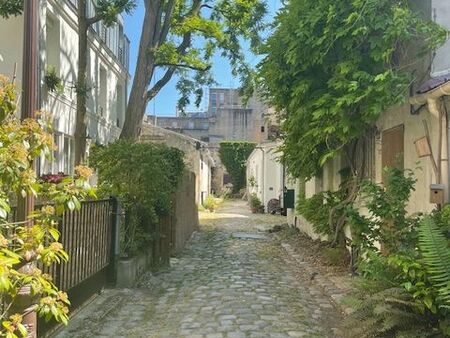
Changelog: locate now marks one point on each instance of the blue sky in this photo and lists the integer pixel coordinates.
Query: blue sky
(165, 102)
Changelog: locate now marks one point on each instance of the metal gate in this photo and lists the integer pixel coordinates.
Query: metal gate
(88, 235)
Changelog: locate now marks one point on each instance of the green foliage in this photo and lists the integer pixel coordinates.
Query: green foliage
(412, 275)
(384, 311)
(33, 242)
(108, 10)
(144, 178)
(221, 29)
(255, 202)
(333, 66)
(234, 155)
(10, 8)
(387, 221)
(316, 210)
(52, 80)
(211, 203)
(435, 249)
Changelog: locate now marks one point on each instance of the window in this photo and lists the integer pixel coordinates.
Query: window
(53, 47)
(120, 106)
(214, 100)
(69, 154)
(103, 92)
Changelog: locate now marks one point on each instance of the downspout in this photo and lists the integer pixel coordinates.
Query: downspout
(432, 100)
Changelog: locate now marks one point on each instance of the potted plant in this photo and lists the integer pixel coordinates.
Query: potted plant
(52, 80)
(255, 203)
(210, 203)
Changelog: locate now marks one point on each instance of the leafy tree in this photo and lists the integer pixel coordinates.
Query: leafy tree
(234, 156)
(106, 11)
(10, 8)
(181, 37)
(333, 66)
(26, 246)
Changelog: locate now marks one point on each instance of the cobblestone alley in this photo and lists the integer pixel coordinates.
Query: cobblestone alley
(232, 280)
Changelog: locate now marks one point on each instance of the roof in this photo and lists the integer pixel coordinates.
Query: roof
(433, 83)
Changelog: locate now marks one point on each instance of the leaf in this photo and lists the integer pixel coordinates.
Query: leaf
(71, 205)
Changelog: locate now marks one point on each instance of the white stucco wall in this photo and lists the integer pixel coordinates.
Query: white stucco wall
(264, 166)
(60, 49)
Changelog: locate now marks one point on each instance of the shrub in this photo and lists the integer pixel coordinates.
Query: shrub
(388, 222)
(234, 156)
(255, 202)
(411, 279)
(144, 178)
(211, 203)
(316, 210)
(33, 242)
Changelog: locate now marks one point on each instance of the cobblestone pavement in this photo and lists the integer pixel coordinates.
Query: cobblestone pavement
(232, 280)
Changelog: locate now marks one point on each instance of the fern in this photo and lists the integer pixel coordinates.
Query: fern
(433, 246)
(390, 312)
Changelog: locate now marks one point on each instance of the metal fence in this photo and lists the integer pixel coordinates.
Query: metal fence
(88, 236)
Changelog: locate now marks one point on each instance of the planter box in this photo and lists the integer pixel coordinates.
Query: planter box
(129, 270)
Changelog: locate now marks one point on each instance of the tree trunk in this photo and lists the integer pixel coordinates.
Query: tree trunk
(81, 86)
(144, 71)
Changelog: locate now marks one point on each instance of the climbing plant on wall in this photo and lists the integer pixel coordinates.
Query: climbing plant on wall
(234, 156)
(333, 66)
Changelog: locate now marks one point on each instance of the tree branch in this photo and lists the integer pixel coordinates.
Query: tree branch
(183, 65)
(152, 92)
(167, 21)
(93, 20)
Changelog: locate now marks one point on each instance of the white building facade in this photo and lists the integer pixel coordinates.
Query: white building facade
(265, 173)
(108, 75)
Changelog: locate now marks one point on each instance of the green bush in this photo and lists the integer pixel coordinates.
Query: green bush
(255, 202)
(410, 280)
(234, 156)
(144, 178)
(211, 203)
(316, 210)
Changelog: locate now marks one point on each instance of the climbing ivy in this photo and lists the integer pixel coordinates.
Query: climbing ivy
(333, 65)
(234, 156)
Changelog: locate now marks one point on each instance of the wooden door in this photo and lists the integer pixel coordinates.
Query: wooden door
(393, 142)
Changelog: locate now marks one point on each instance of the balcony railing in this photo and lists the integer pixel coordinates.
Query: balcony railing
(112, 37)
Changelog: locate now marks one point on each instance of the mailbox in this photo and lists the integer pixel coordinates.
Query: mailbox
(289, 199)
(437, 193)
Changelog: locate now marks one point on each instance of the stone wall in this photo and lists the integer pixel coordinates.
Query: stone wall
(185, 219)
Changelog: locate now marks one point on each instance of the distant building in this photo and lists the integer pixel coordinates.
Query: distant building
(232, 119)
(195, 125)
(227, 118)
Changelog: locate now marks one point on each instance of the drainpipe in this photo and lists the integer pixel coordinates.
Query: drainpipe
(432, 100)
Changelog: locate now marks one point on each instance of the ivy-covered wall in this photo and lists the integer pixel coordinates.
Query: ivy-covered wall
(234, 155)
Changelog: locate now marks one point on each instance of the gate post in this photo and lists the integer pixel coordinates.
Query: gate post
(115, 239)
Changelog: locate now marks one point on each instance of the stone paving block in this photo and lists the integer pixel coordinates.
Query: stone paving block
(220, 286)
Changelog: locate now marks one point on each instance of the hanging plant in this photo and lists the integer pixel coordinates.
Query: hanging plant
(53, 81)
